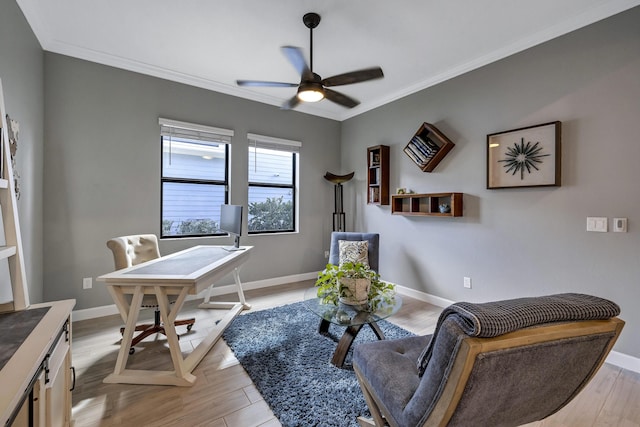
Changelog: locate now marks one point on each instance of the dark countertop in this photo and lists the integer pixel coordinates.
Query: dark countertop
(15, 327)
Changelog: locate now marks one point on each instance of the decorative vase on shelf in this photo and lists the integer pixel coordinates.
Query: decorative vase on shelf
(444, 208)
(354, 291)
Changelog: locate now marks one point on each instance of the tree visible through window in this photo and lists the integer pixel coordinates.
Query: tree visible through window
(272, 184)
(194, 178)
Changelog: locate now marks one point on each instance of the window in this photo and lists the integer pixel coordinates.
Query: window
(195, 178)
(272, 184)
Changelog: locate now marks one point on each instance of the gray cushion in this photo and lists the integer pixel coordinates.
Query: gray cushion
(389, 368)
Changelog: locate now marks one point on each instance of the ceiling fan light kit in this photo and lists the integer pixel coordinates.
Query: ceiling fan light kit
(310, 92)
(312, 88)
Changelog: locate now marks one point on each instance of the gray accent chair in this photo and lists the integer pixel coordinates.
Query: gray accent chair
(510, 379)
(133, 250)
(372, 238)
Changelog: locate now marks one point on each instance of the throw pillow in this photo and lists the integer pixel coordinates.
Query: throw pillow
(353, 251)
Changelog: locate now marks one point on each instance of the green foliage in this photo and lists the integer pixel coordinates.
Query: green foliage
(330, 291)
(166, 227)
(189, 227)
(271, 215)
(197, 226)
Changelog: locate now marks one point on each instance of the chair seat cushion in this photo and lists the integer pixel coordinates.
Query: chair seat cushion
(389, 367)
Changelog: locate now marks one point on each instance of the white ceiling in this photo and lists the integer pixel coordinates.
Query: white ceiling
(210, 44)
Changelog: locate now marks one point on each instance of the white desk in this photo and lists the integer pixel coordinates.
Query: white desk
(186, 272)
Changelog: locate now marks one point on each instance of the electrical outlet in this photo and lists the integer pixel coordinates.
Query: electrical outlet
(620, 225)
(326, 254)
(87, 283)
(467, 282)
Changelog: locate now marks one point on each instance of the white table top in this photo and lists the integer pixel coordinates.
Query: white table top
(188, 267)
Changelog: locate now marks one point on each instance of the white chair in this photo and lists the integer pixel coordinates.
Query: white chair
(136, 249)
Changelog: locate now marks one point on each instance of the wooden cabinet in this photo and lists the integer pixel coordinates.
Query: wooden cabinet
(428, 147)
(378, 175)
(427, 204)
(38, 378)
(58, 384)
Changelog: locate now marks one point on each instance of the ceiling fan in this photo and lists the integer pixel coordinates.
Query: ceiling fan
(312, 87)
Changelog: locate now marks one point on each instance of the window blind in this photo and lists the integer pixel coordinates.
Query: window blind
(271, 143)
(177, 129)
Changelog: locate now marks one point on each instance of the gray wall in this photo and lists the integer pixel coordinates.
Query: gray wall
(517, 242)
(102, 174)
(21, 71)
(102, 150)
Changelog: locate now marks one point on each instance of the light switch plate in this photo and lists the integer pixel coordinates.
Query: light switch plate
(620, 225)
(597, 223)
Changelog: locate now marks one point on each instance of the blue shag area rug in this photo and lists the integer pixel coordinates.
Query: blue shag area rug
(290, 364)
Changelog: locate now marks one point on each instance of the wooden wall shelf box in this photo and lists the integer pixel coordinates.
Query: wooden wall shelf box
(428, 147)
(378, 175)
(426, 204)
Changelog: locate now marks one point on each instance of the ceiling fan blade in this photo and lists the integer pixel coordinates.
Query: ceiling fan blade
(263, 83)
(290, 103)
(296, 57)
(354, 77)
(340, 98)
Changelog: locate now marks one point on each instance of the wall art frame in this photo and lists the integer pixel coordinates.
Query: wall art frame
(525, 157)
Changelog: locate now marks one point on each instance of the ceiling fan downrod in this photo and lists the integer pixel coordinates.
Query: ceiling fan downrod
(311, 21)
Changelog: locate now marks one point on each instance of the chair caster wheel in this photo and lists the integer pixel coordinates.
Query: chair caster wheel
(189, 328)
(132, 350)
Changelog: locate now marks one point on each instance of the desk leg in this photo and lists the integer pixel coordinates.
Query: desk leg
(129, 315)
(181, 375)
(236, 277)
(207, 303)
(168, 318)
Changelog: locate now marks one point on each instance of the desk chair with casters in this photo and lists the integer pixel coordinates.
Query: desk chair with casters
(133, 250)
(503, 363)
(373, 243)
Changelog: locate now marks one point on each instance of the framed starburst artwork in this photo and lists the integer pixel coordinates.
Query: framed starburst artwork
(524, 157)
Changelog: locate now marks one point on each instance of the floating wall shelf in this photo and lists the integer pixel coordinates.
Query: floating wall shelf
(426, 204)
(428, 147)
(378, 175)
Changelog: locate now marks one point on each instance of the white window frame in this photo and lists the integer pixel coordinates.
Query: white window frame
(178, 129)
(279, 144)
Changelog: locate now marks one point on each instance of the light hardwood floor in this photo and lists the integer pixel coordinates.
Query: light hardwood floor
(224, 396)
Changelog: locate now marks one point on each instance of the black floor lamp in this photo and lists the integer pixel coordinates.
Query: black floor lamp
(338, 214)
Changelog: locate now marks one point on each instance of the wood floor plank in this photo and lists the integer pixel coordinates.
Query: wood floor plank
(224, 395)
(254, 415)
(585, 408)
(622, 407)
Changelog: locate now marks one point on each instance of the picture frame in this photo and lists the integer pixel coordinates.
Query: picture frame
(525, 157)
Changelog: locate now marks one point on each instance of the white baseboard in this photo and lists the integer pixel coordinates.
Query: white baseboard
(624, 361)
(615, 358)
(108, 310)
(618, 359)
(424, 297)
(93, 313)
